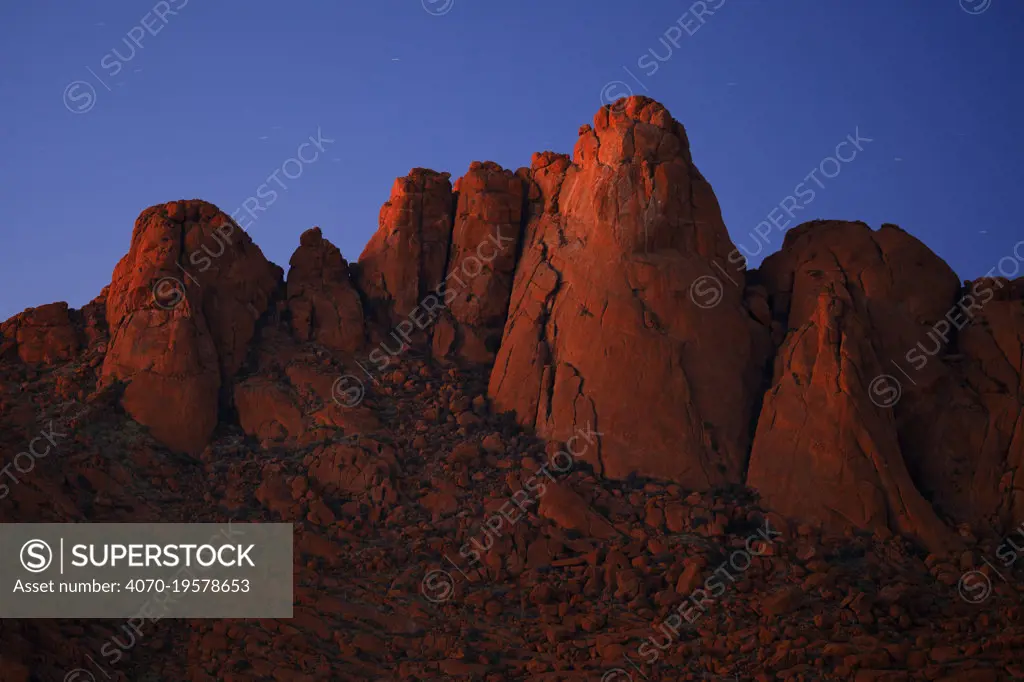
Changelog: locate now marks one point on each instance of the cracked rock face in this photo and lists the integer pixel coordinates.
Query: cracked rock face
(405, 258)
(603, 295)
(488, 223)
(182, 307)
(827, 446)
(602, 329)
(962, 421)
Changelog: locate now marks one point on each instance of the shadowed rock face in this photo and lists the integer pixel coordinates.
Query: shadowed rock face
(893, 396)
(602, 328)
(960, 419)
(585, 288)
(481, 264)
(182, 308)
(43, 335)
(852, 301)
(322, 299)
(405, 259)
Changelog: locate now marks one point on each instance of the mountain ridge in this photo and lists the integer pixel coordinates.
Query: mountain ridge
(587, 294)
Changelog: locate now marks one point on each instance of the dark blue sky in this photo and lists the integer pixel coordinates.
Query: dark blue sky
(226, 91)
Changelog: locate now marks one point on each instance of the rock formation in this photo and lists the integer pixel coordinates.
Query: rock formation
(481, 264)
(406, 257)
(581, 285)
(959, 414)
(182, 308)
(322, 299)
(43, 335)
(602, 329)
(893, 395)
(852, 301)
(871, 404)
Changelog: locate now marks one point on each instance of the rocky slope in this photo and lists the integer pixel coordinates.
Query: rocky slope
(516, 444)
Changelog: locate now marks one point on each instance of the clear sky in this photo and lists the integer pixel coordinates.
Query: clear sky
(210, 101)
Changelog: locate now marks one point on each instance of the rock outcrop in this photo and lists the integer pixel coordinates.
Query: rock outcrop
(602, 329)
(267, 410)
(322, 299)
(993, 341)
(481, 264)
(961, 404)
(852, 300)
(851, 381)
(40, 336)
(894, 402)
(182, 307)
(598, 299)
(405, 259)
